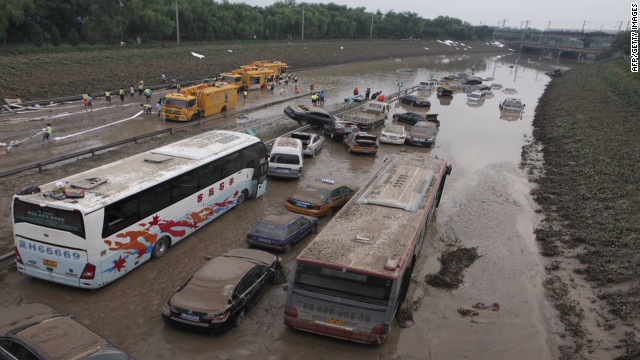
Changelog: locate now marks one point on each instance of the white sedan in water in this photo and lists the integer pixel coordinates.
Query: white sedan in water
(393, 134)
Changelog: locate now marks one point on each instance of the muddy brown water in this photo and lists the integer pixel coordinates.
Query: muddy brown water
(486, 204)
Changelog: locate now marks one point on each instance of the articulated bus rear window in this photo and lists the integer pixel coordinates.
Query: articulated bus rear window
(343, 283)
(65, 220)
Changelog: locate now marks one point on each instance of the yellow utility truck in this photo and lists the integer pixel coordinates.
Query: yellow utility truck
(199, 101)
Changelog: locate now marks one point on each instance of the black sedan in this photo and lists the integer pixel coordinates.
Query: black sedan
(412, 118)
(217, 297)
(414, 101)
(313, 115)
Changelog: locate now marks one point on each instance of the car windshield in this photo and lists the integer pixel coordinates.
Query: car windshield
(285, 159)
(431, 130)
(180, 103)
(512, 102)
(268, 230)
(393, 130)
(322, 193)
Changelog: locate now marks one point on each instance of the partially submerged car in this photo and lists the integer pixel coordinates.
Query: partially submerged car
(412, 118)
(355, 98)
(362, 143)
(509, 91)
(311, 143)
(320, 198)
(511, 104)
(309, 115)
(38, 332)
(428, 85)
(444, 92)
(423, 133)
(393, 134)
(280, 232)
(476, 97)
(217, 296)
(414, 100)
(340, 128)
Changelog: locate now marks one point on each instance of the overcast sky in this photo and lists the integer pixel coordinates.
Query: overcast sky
(563, 14)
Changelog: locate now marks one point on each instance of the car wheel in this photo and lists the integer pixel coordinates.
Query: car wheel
(160, 248)
(303, 122)
(286, 249)
(332, 134)
(314, 230)
(329, 212)
(240, 317)
(242, 197)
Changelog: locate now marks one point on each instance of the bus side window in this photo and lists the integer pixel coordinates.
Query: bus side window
(232, 164)
(184, 185)
(155, 199)
(119, 215)
(210, 174)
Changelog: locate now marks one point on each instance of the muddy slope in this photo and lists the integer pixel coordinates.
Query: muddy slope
(67, 72)
(589, 189)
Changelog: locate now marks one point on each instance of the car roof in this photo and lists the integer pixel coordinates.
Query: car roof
(54, 335)
(426, 124)
(393, 127)
(319, 184)
(281, 220)
(307, 108)
(210, 288)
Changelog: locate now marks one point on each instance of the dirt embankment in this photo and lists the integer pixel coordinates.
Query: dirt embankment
(73, 72)
(587, 126)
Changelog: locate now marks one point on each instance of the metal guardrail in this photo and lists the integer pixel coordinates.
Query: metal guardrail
(135, 139)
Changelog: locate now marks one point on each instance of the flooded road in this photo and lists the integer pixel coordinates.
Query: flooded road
(485, 204)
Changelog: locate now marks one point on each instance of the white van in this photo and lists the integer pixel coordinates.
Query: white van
(428, 85)
(286, 158)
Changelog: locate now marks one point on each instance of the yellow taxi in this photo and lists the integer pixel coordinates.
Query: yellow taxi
(320, 198)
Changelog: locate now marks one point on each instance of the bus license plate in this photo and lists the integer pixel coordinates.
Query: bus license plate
(51, 263)
(335, 321)
(190, 317)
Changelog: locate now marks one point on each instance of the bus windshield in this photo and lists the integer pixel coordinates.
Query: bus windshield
(346, 284)
(65, 220)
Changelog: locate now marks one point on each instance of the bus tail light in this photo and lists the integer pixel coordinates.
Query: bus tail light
(89, 272)
(18, 257)
(380, 329)
(290, 310)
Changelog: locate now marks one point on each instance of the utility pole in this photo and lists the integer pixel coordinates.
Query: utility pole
(548, 25)
(619, 26)
(177, 24)
(583, 24)
(503, 21)
(371, 31)
(302, 22)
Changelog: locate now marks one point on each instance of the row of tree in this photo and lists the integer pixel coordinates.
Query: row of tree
(109, 21)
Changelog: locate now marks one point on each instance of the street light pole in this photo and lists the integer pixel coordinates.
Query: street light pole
(371, 31)
(302, 22)
(177, 24)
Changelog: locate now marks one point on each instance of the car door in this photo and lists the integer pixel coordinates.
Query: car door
(293, 232)
(304, 227)
(251, 287)
(319, 118)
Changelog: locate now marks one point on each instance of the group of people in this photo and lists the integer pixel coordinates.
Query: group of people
(317, 99)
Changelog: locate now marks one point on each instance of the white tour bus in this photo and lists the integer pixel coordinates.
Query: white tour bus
(91, 228)
(351, 279)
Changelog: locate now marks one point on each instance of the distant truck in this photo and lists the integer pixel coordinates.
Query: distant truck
(370, 115)
(248, 77)
(199, 101)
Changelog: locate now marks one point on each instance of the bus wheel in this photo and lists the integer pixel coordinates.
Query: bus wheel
(240, 316)
(242, 197)
(160, 248)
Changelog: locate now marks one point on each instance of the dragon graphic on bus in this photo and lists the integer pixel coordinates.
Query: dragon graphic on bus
(142, 242)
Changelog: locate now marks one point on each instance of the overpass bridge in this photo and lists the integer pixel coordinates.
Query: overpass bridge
(556, 42)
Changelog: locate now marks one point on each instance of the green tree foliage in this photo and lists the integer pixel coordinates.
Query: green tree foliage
(109, 22)
(12, 15)
(37, 35)
(73, 38)
(54, 35)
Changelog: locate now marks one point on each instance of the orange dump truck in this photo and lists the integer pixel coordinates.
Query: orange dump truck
(199, 101)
